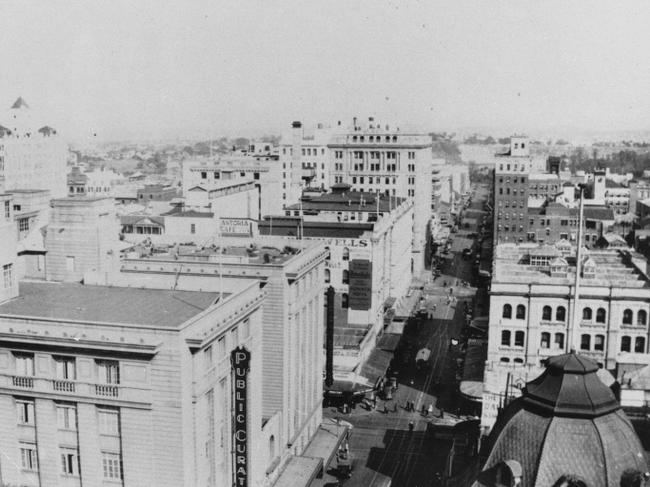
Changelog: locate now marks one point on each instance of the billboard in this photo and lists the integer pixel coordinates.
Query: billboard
(235, 227)
(360, 274)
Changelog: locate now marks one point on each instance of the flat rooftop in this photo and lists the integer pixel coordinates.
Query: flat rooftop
(120, 305)
(356, 201)
(610, 267)
(236, 254)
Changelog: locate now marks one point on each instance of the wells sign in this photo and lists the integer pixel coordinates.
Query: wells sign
(240, 359)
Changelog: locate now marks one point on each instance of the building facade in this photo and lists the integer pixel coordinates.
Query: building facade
(32, 154)
(133, 387)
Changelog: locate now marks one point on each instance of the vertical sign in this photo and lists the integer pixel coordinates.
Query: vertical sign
(240, 359)
(329, 338)
(360, 297)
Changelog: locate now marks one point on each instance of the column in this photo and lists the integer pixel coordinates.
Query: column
(47, 442)
(90, 459)
(138, 449)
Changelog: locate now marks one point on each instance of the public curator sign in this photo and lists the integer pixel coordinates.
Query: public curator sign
(240, 359)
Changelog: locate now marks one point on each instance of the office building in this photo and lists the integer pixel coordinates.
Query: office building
(32, 154)
(132, 387)
(292, 276)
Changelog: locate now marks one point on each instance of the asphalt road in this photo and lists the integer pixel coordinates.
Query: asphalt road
(385, 451)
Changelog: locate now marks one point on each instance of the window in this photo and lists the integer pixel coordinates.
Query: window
(521, 312)
(25, 364)
(505, 360)
(639, 345)
(627, 317)
(112, 465)
(192, 227)
(7, 275)
(23, 224)
(7, 210)
(641, 317)
(344, 300)
(109, 423)
(601, 314)
(69, 462)
(559, 340)
(507, 311)
(626, 344)
(327, 275)
(204, 175)
(65, 368)
(560, 313)
(25, 410)
(586, 314)
(585, 342)
(28, 457)
(546, 340)
(599, 342)
(346, 277)
(519, 338)
(505, 338)
(346, 253)
(108, 371)
(272, 447)
(547, 313)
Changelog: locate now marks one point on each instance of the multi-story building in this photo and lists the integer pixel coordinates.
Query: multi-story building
(98, 182)
(8, 247)
(639, 191)
(132, 387)
(532, 301)
(32, 154)
(292, 275)
(261, 171)
(369, 264)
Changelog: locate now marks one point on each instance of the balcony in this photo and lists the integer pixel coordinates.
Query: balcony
(23, 382)
(135, 396)
(63, 385)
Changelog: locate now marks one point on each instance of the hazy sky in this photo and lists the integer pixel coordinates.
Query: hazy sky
(159, 69)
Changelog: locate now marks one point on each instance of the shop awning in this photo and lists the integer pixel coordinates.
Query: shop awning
(299, 472)
(376, 365)
(358, 386)
(327, 440)
(388, 342)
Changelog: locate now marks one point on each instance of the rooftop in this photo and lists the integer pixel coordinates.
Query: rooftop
(103, 304)
(348, 201)
(514, 264)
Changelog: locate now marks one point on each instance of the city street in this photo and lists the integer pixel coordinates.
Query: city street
(385, 451)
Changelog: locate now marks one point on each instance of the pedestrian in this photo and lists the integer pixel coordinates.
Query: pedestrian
(430, 410)
(385, 408)
(423, 410)
(395, 407)
(411, 426)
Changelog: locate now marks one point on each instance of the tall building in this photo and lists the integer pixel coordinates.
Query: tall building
(567, 430)
(130, 387)
(369, 264)
(292, 275)
(32, 154)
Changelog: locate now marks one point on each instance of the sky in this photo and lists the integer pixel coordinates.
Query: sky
(155, 69)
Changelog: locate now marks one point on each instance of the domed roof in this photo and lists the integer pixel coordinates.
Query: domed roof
(566, 424)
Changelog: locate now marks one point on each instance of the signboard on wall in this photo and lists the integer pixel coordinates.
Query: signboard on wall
(235, 227)
(360, 274)
(240, 359)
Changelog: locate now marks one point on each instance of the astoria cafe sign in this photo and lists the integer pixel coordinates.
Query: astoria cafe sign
(240, 359)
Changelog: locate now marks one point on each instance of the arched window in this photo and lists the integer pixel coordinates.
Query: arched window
(547, 313)
(585, 342)
(546, 340)
(599, 342)
(521, 312)
(346, 253)
(601, 315)
(344, 300)
(346, 277)
(507, 311)
(639, 345)
(586, 314)
(272, 447)
(641, 317)
(327, 275)
(559, 340)
(626, 344)
(505, 338)
(519, 338)
(627, 317)
(560, 313)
